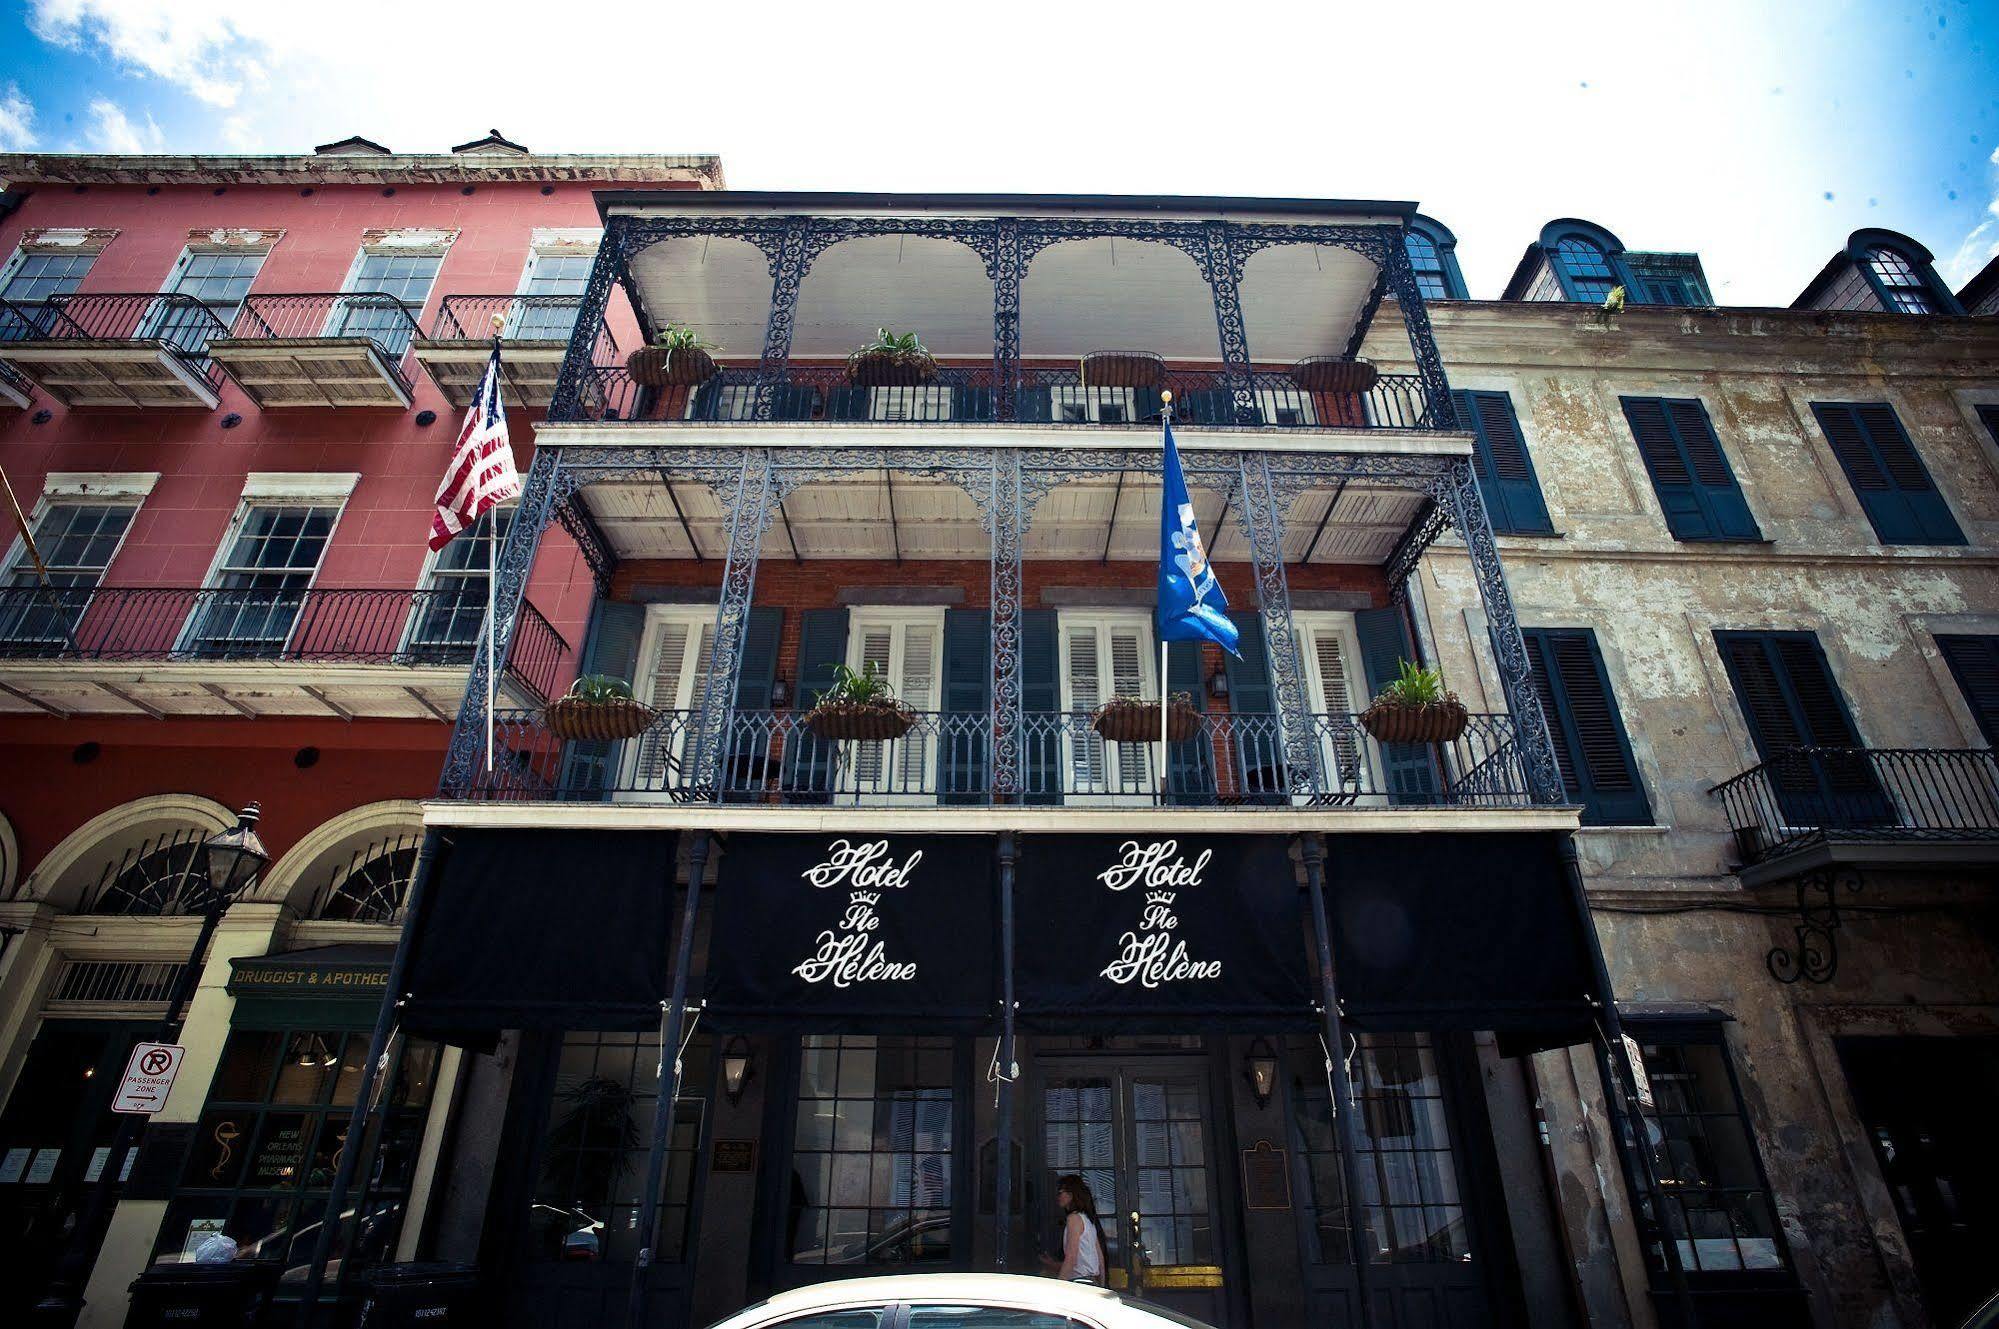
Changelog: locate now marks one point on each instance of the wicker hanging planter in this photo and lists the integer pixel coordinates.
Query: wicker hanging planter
(665, 367)
(890, 369)
(1123, 369)
(1434, 722)
(1328, 373)
(582, 720)
(1135, 720)
(859, 722)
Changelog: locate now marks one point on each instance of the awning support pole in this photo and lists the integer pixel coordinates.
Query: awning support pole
(1006, 1066)
(1346, 1122)
(1620, 1087)
(359, 1121)
(669, 1076)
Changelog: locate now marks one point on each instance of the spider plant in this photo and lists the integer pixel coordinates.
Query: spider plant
(1415, 685)
(867, 686)
(600, 688)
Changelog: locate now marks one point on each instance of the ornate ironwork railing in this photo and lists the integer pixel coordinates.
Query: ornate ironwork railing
(973, 395)
(522, 318)
(400, 627)
(770, 757)
(333, 316)
(1810, 795)
(179, 324)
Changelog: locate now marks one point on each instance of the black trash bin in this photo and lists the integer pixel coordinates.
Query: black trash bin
(203, 1296)
(434, 1295)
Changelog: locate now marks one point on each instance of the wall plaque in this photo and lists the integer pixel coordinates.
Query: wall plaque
(734, 1156)
(1266, 1177)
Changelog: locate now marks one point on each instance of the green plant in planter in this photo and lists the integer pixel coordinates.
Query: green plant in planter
(1415, 685)
(892, 360)
(888, 343)
(1416, 708)
(867, 686)
(859, 705)
(600, 688)
(676, 338)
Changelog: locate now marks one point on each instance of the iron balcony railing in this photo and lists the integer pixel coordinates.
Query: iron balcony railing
(771, 757)
(272, 622)
(522, 318)
(974, 395)
(334, 316)
(178, 324)
(1811, 795)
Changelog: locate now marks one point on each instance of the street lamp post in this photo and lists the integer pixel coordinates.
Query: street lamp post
(230, 860)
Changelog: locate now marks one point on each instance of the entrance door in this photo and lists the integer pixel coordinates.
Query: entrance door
(1928, 1105)
(1140, 1133)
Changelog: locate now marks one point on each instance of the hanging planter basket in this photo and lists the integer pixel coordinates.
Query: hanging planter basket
(1135, 720)
(1123, 369)
(1436, 722)
(664, 367)
(1328, 373)
(877, 368)
(859, 722)
(579, 720)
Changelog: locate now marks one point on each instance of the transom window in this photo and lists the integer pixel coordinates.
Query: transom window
(1902, 286)
(1587, 268)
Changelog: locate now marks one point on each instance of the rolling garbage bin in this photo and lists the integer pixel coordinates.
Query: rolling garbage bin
(436, 1295)
(203, 1296)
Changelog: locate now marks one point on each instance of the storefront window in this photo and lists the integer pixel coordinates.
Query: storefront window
(871, 1158)
(1408, 1169)
(272, 1135)
(1715, 1201)
(595, 1149)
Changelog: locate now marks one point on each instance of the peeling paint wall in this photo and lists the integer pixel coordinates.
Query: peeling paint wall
(1916, 951)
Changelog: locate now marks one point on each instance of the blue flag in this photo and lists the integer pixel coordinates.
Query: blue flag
(1191, 604)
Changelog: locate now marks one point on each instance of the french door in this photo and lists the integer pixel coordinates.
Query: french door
(1336, 690)
(1105, 656)
(677, 651)
(1140, 1133)
(906, 649)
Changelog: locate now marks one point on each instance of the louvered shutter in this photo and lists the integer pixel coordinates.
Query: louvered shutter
(1190, 768)
(1345, 771)
(1974, 663)
(756, 678)
(1254, 733)
(1894, 487)
(916, 684)
(1591, 745)
(967, 704)
(1697, 490)
(1041, 707)
(822, 644)
(1087, 761)
(1790, 700)
(1129, 649)
(1409, 772)
(1505, 471)
(971, 404)
(611, 650)
(675, 681)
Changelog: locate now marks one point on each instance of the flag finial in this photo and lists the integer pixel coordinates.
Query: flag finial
(499, 322)
(1166, 395)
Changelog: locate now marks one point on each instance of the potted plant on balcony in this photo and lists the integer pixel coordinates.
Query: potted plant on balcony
(677, 358)
(891, 361)
(1415, 708)
(597, 709)
(859, 706)
(1330, 373)
(1136, 720)
(1123, 369)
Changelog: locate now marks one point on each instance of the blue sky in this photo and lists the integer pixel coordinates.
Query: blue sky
(1759, 134)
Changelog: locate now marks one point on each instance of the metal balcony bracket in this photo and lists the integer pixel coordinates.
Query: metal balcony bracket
(574, 514)
(1814, 954)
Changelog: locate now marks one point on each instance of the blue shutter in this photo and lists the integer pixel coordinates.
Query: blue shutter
(707, 400)
(1255, 735)
(1408, 768)
(612, 648)
(1041, 704)
(1974, 663)
(1034, 405)
(1895, 488)
(1791, 701)
(756, 677)
(968, 704)
(1591, 745)
(822, 644)
(793, 401)
(1505, 471)
(971, 404)
(1690, 473)
(847, 403)
(1190, 766)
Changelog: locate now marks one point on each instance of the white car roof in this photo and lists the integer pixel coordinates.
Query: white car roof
(1001, 1289)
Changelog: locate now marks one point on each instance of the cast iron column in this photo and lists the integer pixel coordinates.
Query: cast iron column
(578, 356)
(1006, 271)
(1006, 515)
(788, 266)
(1224, 273)
(750, 512)
(1263, 523)
(1442, 412)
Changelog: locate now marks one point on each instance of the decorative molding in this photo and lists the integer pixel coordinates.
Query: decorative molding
(99, 484)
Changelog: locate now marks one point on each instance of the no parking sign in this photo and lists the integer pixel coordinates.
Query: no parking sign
(149, 1077)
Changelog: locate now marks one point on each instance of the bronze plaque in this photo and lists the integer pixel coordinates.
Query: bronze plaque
(1266, 1177)
(734, 1156)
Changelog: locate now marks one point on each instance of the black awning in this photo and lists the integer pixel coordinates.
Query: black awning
(854, 934)
(1159, 934)
(543, 929)
(1460, 931)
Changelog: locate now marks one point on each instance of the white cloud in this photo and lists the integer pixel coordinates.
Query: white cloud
(187, 44)
(17, 120)
(111, 130)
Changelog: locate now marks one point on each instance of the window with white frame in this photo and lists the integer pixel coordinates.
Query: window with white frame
(218, 280)
(553, 292)
(451, 606)
(906, 648)
(676, 653)
(406, 279)
(1336, 689)
(258, 588)
(33, 278)
(77, 541)
(1105, 656)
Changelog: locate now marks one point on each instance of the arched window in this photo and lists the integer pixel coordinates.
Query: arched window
(372, 884)
(1904, 289)
(160, 877)
(1431, 258)
(1585, 269)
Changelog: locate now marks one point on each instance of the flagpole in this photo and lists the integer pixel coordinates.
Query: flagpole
(492, 576)
(1166, 422)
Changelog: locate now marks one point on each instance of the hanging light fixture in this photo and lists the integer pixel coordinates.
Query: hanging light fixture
(738, 1065)
(1260, 1069)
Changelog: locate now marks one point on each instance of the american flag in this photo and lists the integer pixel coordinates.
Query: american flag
(481, 475)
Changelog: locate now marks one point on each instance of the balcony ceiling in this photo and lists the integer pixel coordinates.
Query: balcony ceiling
(225, 688)
(874, 516)
(1078, 296)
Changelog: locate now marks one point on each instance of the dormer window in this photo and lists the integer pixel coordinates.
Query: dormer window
(1903, 288)
(1880, 272)
(1586, 270)
(1433, 259)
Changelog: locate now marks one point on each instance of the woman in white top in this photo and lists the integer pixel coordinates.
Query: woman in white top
(1082, 1242)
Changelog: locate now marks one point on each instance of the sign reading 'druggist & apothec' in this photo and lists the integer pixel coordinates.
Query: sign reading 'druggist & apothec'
(1158, 933)
(854, 933)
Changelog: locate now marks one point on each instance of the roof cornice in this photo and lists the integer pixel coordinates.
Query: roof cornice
(19, 169)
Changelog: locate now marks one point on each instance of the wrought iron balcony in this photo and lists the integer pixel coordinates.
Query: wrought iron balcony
(305, 624)
(116, 350)
(15, 389)
(1235, 760)
(534, 329)
(974, 395)
(1810, 796)
(339, 348)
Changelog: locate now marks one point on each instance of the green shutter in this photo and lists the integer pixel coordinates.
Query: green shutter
(1041, 704)
(1791, 701)
(822, 644)
(1974, 663)
(1591, 745)
(1696, 488)
(1888, 475)
(968, 705)
(1190, 766)
(1257, 738)
(611, 647)
(756, 677)
(1505, 471)
(1408, 769)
